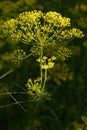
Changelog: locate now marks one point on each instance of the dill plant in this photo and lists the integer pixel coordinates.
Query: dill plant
(44, 30)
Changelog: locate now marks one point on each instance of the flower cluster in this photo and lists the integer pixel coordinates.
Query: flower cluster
(69, 34)
(17, 57)
(43, 28)
(57, 20)
(47, 63)
(63, 53)
(10, 28)
(78, 126)
(82, 125)
(63, 73)
(35, 90)
(84, 119)
(33, 87)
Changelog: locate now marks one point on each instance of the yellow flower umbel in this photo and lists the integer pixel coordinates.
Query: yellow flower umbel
(35, 90)
(46, 28)
(17, 57)
(33, 87)
(47, 63)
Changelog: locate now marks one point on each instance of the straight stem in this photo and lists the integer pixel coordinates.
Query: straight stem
(41, 70)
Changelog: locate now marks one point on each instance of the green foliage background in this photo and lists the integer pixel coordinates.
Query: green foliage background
(68, 78)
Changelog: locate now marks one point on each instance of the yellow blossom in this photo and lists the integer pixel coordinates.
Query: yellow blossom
(17, 56)
(46, 28)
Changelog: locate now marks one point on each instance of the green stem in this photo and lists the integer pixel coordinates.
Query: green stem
(18, 102)
(10, 71)
(30, 54)
(15, 100)
(45, 79)
(41, 70)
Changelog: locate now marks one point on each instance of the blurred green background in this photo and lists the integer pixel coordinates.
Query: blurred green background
(68, 82)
